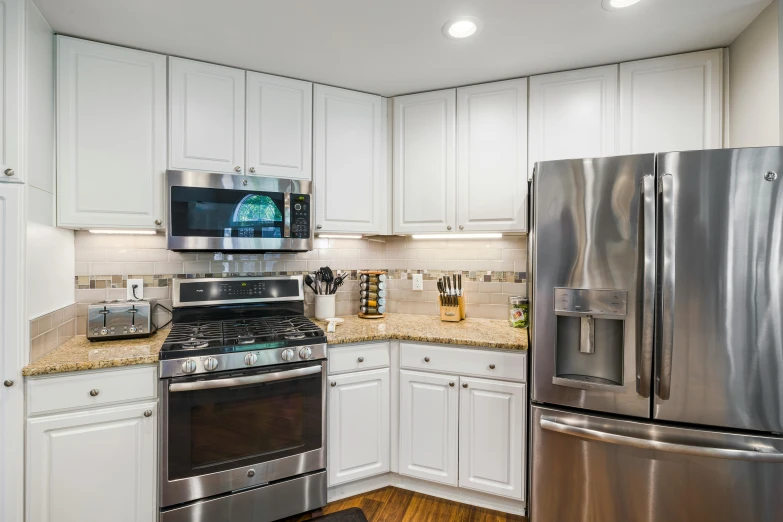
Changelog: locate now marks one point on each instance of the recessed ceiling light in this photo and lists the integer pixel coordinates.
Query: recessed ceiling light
(461, 27)
(614, 5)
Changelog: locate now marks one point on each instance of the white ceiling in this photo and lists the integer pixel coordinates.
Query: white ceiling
(392, 47)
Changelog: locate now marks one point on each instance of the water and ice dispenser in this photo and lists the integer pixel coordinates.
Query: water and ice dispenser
(589, 339)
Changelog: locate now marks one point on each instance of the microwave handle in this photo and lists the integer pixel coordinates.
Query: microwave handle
(243, 381)
(287, 215)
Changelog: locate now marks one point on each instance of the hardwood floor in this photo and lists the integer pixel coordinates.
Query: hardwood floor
(392, 504)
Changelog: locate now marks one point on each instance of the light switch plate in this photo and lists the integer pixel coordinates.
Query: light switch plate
(139, 290)
(418, 282)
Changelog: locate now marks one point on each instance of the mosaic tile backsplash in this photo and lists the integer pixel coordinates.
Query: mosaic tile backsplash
(492, 270)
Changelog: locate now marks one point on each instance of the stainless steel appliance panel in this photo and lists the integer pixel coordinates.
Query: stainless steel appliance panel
(261, 504)
(720, 343)
(588, 223)
(120, 319)
(622, 471)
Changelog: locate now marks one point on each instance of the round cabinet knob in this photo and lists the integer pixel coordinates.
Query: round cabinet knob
(158, 222)
(148, 413)
(238, 168)
(188, 366)
(465, 385)
(8, 383)
(332, 384)
(448, 227)
(210, 364)
(288, 354)
(250, 359)
(491, 366)
(769, 176)
(461, 227)
(9, 172)
(252, 169)
(426, 359)
(361, 359)
(451, 384)
(319, 227)
(94, 392)
(305, 353)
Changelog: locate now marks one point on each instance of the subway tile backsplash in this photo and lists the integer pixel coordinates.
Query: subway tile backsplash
(51, 330)
(492, 270)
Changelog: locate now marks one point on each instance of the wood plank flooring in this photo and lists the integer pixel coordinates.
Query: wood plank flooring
(392, 504)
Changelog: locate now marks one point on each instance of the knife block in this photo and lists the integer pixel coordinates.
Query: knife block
(461, 301)
(450, 314)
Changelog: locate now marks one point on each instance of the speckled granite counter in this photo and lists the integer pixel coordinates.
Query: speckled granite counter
(80, 354)
(489, 333)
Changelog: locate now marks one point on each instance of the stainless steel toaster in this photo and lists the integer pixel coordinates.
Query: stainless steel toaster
(120, 319)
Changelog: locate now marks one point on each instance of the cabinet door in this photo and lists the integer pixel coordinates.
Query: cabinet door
(350, 169)
(111, 135)
(429, 405)
(207, 117)
(12, 348)
(279, 126)
(573, 114)
(93, 465)
(492, 437)
(11, 25)
(358, 443)
(672, 103)
(424, 174)
(492, 158)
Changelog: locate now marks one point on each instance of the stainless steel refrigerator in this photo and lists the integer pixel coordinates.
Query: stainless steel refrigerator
(657, 338)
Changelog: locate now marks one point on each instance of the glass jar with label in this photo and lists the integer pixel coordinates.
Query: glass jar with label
(518, 312)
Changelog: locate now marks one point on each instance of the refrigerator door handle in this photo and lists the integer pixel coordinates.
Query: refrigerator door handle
(664, 380)
(644, 354)
(754, 453)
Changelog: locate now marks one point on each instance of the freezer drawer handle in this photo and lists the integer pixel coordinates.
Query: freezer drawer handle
(754, 454)
(243, 381)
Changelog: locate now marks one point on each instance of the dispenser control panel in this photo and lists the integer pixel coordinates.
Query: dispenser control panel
(582, 301)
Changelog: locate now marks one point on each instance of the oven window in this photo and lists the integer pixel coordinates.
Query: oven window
(224, 428)
(208, 212)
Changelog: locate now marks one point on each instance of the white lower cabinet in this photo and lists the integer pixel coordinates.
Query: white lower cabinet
(492, 437)
(93, 465)
(358, 443)
(429, 407)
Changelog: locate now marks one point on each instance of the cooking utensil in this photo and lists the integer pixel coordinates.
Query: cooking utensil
(309, 281)
(328, 277)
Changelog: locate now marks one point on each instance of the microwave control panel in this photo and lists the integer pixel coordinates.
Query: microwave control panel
(300, 216)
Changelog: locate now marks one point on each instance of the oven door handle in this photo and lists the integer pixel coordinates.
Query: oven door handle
(242, 381)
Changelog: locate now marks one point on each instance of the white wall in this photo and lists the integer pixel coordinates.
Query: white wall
(754, 76)
(50, 250)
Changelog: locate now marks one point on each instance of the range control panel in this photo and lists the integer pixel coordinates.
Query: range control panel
(300, 216)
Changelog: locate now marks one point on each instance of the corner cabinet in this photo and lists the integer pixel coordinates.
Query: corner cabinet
(672, 103)
(573, 115)
(424, 175)
(350, 162)
(111, 136)
(11, 30)
(206, 117)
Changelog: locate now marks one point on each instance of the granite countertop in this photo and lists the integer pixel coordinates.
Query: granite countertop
(80, 354)
(488, 333)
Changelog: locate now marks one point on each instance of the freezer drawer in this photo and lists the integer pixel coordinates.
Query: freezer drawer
(597, 469)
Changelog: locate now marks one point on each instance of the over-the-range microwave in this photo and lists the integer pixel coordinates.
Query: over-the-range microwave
(226, 212)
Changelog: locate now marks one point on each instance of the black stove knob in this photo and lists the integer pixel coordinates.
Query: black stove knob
(305, 353)
(189, 366)
(210, 364)
(288, 354)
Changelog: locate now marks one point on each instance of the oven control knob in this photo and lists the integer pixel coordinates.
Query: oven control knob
(210, 364)
(250, 359)
(305, 353)
(189, 366)
(288, 354)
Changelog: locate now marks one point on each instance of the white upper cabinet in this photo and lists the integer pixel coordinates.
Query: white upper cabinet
(206, 117)
(11, 24)
(492, 157)
(573, 114)
(279, 126)
(492, 437)
(350, 161)
(358, 442)
(672, 103)
(111, 135)
(424, 162)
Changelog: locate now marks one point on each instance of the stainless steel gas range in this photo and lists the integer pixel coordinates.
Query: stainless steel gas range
(243, 409)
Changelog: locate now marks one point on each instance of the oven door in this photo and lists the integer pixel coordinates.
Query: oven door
(235, 430)
(227, 212)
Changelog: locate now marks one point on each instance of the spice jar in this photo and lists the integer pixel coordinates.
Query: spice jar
(373, 287)
(374, 278)
(518, 312)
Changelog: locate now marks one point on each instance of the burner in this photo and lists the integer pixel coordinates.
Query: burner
(195, 345)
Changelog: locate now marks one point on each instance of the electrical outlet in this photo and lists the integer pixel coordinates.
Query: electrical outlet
(418, 282)
(139, 289)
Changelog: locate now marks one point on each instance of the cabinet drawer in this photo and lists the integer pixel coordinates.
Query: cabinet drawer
(75, 391)
(353, 357)
(464, 361)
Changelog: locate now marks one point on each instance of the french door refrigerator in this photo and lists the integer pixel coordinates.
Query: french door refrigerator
(657, 338)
